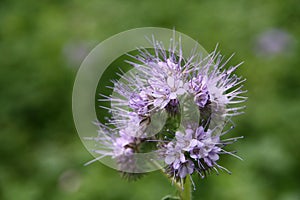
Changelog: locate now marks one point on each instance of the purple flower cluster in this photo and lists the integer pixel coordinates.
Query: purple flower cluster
(157, 83)
(199, 89)
(193, 151)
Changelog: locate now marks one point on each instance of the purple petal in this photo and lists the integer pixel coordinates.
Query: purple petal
(169, 159)
(171, 82)
(214, 156)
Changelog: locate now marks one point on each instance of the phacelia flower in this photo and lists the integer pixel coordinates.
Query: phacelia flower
(199, 89)
(156, 84)
(199, 147)
(218, 86)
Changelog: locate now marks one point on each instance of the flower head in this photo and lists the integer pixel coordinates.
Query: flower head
(198, 149)
(158, 82)
(218, 86)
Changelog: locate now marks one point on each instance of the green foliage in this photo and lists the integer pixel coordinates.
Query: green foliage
(42, 44)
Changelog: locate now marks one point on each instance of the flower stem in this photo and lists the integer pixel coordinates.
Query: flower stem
(186, 193)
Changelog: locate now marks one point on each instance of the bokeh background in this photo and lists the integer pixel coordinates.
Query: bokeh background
(42, 44)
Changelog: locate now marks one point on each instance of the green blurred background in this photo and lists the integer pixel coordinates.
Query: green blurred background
(42, 44)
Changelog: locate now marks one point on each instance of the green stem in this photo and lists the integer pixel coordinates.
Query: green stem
(186, 193)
